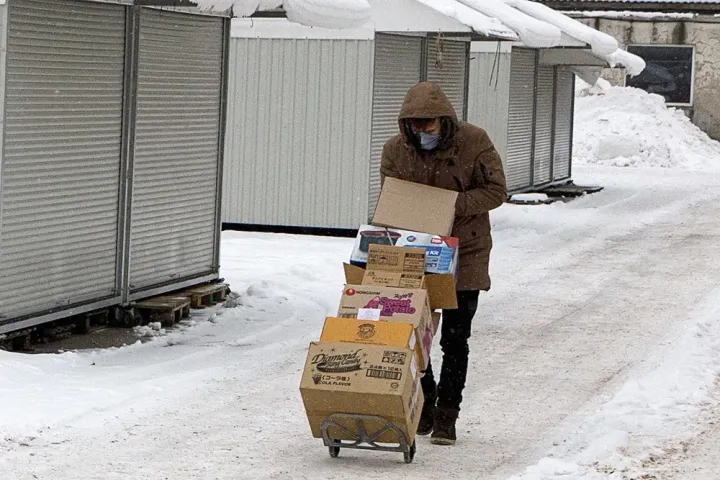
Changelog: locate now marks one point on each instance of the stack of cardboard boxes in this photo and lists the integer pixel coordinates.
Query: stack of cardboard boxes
(371, 356)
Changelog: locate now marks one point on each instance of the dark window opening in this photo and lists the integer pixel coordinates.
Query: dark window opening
(668, 72)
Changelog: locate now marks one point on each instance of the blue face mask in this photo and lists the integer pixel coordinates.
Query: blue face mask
(428, 141)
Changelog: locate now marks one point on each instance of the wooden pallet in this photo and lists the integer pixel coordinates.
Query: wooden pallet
(168, 310)
(207, 295)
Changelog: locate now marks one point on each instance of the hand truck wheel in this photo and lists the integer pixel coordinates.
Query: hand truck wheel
(334, 451)
(410, 454)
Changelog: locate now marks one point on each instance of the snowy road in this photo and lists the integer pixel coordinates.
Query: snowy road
(588, 297)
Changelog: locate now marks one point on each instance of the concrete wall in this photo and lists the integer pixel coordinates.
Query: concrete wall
(703, 33)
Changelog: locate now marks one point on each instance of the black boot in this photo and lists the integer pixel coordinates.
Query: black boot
(427, 417)
(444, 428)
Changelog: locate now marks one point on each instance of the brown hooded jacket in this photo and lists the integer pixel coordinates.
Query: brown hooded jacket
(465, 161)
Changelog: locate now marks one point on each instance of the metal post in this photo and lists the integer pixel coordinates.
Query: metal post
(132, 43)
(554, 121)
(221, 142)
(534, 119)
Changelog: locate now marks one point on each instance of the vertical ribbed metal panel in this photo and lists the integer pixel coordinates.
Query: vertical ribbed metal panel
(298, 137)
(398, 67)
(520, 121)
(447, 62)
(488, 92)
(176, 147)
(61, 160)
(544, 105)
(3, 52)
(562, 152)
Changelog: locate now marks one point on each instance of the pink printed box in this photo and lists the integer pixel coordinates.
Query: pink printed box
(396, 305)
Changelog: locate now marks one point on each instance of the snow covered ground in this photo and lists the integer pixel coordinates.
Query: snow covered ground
(595, 355)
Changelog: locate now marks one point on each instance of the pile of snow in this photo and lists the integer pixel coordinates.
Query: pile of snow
(315, 13)
(628, 127)
(152, 329)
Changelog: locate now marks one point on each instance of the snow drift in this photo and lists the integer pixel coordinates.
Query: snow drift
(628, 127)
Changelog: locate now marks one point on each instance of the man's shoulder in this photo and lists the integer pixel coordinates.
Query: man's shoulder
(394, 143)
(473, 135)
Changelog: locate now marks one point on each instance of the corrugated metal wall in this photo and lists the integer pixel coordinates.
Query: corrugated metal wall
(544, 116)
(398, 67)
(447, 65)
(61, 161)
(298, 137)
(3, 51)
(68, 109)
(521, 120)
(175, 177)
(488, 95)
(564, 106)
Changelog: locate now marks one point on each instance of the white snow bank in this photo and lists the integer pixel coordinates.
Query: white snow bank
(628, 127)
(317, 13)
(682, 380)
(532, 32)
(601, 43)
(472, 18)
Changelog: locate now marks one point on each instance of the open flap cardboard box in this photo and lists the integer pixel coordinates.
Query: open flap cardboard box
(395, 263)
(363, 380)
(416, 207)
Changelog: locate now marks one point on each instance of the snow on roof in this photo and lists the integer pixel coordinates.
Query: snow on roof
(632, 63)
(316, 13)
(539, 26)
(601, 43)
(533, 32)
(634, 1)
(474, 19)
(630, 14)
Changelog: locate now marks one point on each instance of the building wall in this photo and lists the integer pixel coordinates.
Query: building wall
(704, 35)
(489, 90)
(3, 52)
(298, 132)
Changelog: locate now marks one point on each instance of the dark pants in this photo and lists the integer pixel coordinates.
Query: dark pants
(454, 334)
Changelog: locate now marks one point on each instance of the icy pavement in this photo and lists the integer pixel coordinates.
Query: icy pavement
(598, 339)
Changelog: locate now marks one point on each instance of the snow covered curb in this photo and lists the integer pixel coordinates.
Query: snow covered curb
(646, 407)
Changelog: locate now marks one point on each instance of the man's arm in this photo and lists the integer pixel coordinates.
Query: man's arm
(493, 192)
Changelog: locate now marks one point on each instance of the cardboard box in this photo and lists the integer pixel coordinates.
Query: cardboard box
(395, 305)
(362, 380)
(369, 332)
(441, 288)
(441, 253)
(395, 267)
(416, 207)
